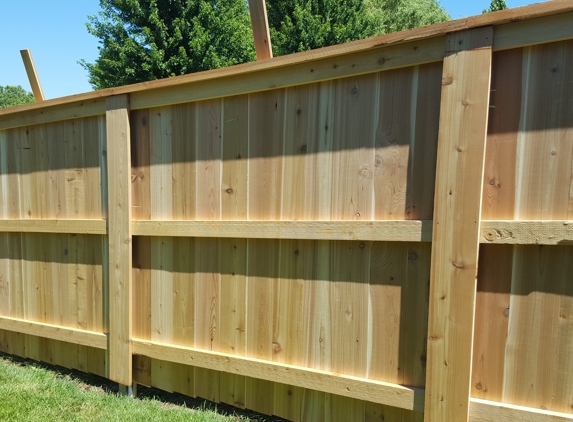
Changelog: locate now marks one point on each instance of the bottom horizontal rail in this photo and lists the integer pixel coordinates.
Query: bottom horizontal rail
(54, 332)
(329, 382)
(489, 411)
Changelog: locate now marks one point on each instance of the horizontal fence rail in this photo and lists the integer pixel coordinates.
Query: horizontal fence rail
(491, 232)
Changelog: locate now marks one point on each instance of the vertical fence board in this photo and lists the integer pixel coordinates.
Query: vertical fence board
(141, 210)
(162, 294)
(459, 176)
(234, 123)
(491, 321)
(545, 142)
(120, 247)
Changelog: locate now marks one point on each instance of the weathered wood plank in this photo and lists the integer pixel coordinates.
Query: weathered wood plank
(459, 177)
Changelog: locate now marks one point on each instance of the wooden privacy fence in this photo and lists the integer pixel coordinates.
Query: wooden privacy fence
(301, 236)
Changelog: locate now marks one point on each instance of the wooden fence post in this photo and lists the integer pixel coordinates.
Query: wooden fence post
(120, 244)
(32, 75)
(457, 211)
(260, 25)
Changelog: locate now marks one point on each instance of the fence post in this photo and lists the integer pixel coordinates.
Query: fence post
(260, 25)
(457, 211)
(120, 244)
(32, 75)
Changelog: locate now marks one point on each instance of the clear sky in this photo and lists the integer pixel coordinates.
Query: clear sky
(55, 32)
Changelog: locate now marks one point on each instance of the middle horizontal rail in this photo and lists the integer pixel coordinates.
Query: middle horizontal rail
(540, 232)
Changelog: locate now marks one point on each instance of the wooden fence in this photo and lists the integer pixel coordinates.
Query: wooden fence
(301, 236)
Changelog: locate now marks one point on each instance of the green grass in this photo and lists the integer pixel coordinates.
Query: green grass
(34, 392)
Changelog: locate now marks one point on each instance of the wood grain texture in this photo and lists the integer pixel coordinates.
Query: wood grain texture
(546, 29)
(539, 331)
(490, 411)
(53, 171)
(55, 111)
(503, 127)
(491, 321)
(260, 26)
(352, 183)
(459, 176)
(208, 252)
(32, 75)
(141, 209)
(45, 225)
(527, 232)
(545, 143)
(120, 246)
(529, 157)
(402, 231)
(162, 292)
(266, 139)
(376, 391)
(233, 309)
(55, 332)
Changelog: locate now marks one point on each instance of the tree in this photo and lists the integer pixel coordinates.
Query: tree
(142, 40)
(398, 15)
(14, 95)
(496, 5)
(299, 25)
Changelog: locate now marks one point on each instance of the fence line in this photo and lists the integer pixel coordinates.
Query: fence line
(269, 234)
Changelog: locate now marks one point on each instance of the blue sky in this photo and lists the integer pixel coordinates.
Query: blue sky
(55, 32)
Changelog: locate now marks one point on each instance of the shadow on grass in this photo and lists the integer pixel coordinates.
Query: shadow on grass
(96, 383)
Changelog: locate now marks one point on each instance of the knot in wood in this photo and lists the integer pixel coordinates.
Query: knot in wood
(365, 172)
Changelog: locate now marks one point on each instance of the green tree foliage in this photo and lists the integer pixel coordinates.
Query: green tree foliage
(496, 5)
(142, 40)
(14, 95)
(398, 15)
(299, 25)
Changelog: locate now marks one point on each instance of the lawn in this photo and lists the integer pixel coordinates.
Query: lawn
(35, 392)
